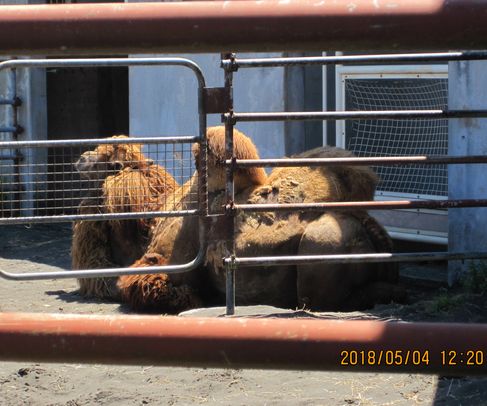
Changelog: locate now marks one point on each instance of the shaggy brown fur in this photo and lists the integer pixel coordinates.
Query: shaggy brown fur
(175, 240)
(243, 148)
(348, 286)
(287, 233)
(124, 180)
(155, 293)
(318, 184)
(345, 286)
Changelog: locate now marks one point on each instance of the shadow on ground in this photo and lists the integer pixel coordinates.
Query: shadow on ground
(48, 244)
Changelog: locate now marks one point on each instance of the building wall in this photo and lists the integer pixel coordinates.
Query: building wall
(467, 136)
(30, 87)
(163, 100)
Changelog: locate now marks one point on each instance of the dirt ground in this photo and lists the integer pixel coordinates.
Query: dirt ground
(46, 248)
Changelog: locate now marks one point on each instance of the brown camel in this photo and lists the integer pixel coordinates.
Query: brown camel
(122, 180)
(282, 233)
(175, 240)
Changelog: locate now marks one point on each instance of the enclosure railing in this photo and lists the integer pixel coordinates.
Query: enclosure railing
(273, 25)
(231, 64)
(37, 173)
(277, 343)
(212, 101)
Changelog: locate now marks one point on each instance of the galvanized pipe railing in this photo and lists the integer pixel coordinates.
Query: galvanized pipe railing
(202, 210)
(10, 102)
(301, 344)
(107, 272)
(238, 63)
(363, 205)
(97, 141)
(356, 115)
(362, 161)
(229, 194)
(355, 258)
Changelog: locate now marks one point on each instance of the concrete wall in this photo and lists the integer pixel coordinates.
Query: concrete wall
(467, 227)
(163, 101)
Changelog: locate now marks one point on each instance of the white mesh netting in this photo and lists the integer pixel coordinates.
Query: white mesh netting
(400, 137)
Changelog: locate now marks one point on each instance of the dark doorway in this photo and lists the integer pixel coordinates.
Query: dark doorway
(81, 103)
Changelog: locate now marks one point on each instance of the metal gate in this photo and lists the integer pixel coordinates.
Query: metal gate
(28, 193)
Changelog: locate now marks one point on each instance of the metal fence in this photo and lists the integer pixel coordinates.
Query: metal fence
(42, 186)
(55, 186)
(232, 64)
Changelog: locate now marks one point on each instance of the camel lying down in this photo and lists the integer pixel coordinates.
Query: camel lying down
(122, 179)
(317, 287)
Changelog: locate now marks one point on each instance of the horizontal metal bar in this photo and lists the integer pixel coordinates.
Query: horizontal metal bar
(253, 25)
(363, 205)
(8, 129)
(7, 102)
(238, 63)
(14, 190)
(96, 217)
(393, 160)
(276, 343)
(353, 258)
(101, 273)
(10, 157)
(355, 115)
(104, 62)
(97, 141)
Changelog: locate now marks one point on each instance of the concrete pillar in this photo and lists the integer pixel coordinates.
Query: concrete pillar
(468, 136)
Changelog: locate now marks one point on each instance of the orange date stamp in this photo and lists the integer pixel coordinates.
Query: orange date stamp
(389, 357)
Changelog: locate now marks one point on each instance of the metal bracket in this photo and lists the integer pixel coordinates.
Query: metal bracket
(216, 99)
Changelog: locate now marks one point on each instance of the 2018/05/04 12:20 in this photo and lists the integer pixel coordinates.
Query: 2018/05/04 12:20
(410, 357)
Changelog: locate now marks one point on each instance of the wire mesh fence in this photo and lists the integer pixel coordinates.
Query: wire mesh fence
(401, 137)
(83, 177)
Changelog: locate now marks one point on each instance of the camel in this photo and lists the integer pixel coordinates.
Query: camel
(122, 179)
(174, 240)
(317, 287)
(281, 233)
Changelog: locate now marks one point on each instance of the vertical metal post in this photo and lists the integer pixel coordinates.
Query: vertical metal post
(12, 95)
(229, 189)
(202, 166)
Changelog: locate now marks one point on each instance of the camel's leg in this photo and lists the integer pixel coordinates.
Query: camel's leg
(90, 249)
(332, 286)
(386, 271)
(156, 293)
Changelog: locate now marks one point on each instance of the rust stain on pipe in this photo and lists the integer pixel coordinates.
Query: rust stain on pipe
(243, 26)
(243, 343)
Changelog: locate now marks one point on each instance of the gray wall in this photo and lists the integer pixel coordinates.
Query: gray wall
(467, 227)
(31, 88)
(163, 101)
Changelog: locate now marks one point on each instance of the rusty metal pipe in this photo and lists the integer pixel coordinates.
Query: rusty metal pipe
(245, 343)
(213, 26)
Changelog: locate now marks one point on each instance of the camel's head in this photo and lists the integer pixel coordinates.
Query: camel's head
(109, 159)
(244, 148)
